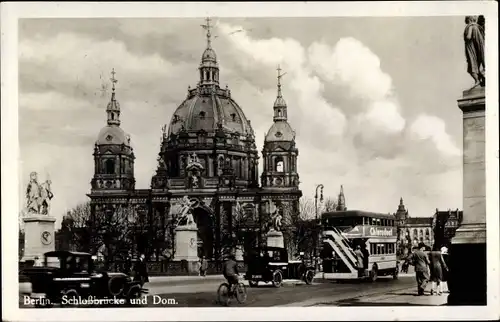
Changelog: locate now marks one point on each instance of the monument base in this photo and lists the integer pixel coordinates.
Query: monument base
(467, 275)
(467, 257)
(186, 247)
(38, 236)
(275, 239)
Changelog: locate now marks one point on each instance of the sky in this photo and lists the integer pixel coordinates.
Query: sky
(373, 101)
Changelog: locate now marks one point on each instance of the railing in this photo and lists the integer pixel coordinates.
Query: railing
(341, 248)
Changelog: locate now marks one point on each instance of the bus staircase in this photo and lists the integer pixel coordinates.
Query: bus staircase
(342, 248)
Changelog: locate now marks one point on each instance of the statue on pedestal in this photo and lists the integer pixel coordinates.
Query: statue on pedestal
(474, 49)
(186, 215)
(38, 196)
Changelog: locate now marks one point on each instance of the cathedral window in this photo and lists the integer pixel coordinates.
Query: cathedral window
(233, 117)
(109, 166)
(202, 115)
(279, 164)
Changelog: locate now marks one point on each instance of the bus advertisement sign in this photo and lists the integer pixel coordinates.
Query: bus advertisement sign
(374, 231)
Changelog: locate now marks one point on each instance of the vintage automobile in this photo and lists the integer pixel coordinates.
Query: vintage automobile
(271, 264)
(67, 276)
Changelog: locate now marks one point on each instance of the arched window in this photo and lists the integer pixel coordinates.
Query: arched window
(109, 166)
(415, 233)
(278, 164)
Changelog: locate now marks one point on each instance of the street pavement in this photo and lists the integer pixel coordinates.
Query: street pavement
(197, 291)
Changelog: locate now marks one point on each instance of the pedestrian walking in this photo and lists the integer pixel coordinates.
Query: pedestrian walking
(203, 266)
(444, 282)
(437, 265)
(420, 261)
(141, 271)
(360, 261)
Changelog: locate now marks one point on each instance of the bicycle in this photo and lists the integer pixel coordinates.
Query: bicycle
(238, 291)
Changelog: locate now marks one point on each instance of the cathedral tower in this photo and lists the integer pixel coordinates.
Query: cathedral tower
(279, 152)
(341, 201)
(113, 155)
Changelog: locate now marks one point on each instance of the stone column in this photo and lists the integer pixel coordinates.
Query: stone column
(467, 279)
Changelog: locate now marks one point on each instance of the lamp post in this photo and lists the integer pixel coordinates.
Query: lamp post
(320, 188)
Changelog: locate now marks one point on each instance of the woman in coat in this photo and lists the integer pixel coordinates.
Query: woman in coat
(437, 266)
(444, 282)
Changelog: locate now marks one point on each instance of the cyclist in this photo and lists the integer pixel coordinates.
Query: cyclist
(230, 272)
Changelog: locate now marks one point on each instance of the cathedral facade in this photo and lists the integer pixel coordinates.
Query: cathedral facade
(208, 154)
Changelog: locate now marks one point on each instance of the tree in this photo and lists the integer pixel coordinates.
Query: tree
(329, 205)
(300, 229)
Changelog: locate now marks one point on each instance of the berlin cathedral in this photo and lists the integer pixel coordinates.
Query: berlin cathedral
(208, 154)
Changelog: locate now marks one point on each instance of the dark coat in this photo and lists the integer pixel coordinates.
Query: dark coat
(141, 271)
(437, 265)
(420, 260)
(445, 272)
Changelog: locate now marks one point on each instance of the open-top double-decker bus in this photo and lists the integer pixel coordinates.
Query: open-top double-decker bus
(375, 233)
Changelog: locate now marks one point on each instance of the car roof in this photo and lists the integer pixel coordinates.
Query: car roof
(65, 253)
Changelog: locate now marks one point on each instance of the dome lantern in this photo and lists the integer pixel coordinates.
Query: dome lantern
(209, 69)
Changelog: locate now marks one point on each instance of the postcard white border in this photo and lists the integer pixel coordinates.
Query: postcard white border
(10, 12)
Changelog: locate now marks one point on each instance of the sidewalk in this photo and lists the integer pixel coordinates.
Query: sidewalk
(405, 297)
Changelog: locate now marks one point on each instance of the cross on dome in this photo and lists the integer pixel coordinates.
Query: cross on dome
(207, 27)
(113, 79)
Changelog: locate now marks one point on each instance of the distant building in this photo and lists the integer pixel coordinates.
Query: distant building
(445, 224)
(432, 231)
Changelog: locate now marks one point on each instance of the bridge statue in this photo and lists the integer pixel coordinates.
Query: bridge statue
(38, 196)
(39, 226)
(474, 48)
(186, 213)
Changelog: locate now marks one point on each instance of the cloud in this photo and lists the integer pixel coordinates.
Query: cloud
(353, 65)
(428, 127)
(307, 88)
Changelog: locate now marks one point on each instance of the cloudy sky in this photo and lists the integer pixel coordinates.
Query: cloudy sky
(373, 100)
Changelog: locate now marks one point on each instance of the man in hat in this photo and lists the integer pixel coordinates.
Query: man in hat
(420, 260)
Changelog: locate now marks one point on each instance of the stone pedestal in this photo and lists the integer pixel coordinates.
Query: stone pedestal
(467, 276)
(275, 239)
(186, 246)
(38, 236)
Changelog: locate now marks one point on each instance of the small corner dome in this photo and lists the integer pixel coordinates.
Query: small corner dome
(112, 134)
(280, 132)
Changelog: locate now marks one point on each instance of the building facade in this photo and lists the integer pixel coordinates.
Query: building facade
(208, 157)
(435, 231)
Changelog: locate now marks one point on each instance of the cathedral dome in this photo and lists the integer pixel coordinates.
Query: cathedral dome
(205, 109)
(280, 132)
(112, 134)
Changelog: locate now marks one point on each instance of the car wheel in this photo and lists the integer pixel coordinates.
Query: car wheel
(253, 283)
(133, 293)
(115, 286)
(277, 279)
(71, 297)
(308, 277)
(374, 274)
